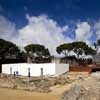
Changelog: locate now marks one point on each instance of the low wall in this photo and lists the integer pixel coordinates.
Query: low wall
(80, 69)
(84, 69)
(35, 69)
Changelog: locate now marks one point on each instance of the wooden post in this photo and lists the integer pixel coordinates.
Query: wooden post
(29, 72)
(29, 76)
(42, 73)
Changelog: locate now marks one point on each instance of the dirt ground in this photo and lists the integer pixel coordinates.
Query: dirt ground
(55, 94)
(10, 94)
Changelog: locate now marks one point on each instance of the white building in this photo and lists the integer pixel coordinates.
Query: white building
(35, 69)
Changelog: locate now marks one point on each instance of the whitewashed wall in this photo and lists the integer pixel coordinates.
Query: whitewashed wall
(61, 68)
(35, 69)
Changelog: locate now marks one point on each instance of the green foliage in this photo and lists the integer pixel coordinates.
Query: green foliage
(40, 50)
(77, 47)
(95, 45)
(98, 42)
(90, 51)
(62, 48)
(8, 48)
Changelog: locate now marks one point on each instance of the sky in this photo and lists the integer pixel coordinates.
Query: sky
(49, 22)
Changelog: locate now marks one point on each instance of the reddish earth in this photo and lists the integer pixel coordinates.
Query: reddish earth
(84, 69)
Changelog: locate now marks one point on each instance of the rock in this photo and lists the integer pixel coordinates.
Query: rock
(43, 86)
(7, 84)
(83, 92)
(3, 76)
(36, 83)
(96, 75)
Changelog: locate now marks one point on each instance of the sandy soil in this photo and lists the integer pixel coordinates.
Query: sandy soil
(60, 89)
(9, 94)
(57, 91)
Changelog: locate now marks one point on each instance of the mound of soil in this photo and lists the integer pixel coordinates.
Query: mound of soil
(88, 89)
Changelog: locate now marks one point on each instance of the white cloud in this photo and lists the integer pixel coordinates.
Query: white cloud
(83, 32)
(97, 28)
(7, 29)
(43, 30)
